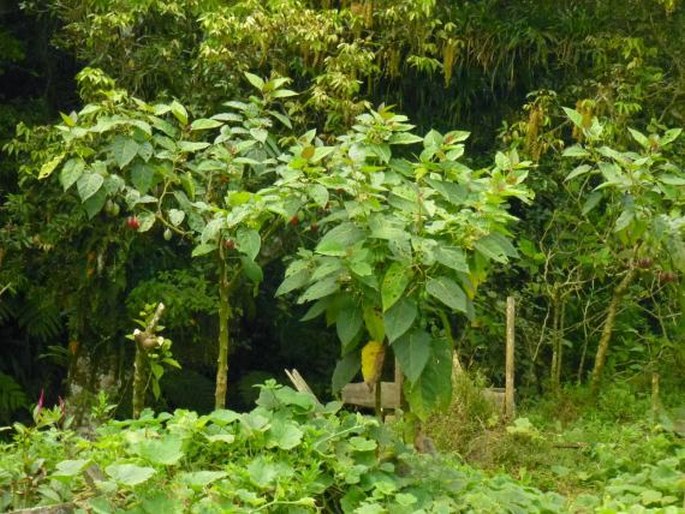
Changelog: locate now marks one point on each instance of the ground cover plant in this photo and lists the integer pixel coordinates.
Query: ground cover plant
(289, 454)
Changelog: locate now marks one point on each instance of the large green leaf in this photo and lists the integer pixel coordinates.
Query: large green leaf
(124, 150)
(263, 473)
(129, 474)
(394, 284)
(399, 318)
(192, 146)
(252, 270)
(452, 257)
(95, 203)
(142, 176)
(199, 479)
(328, 285)
(71, 172)
(248, 242)
(433, 389)
(456, 194)
(348, 323)
(495, 247)
(319, 194)
(338, 240)
(448, 292)
(294, 281)
(205, 124)
(69, 468)
(88, 185)
(166, 451)
(345, 370)
(284, 435)
(412, 351)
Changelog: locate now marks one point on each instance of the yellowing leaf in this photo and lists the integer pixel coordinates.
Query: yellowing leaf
(373, 355)
(47, 168)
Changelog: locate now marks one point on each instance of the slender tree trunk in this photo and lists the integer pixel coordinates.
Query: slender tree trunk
(556, 315)
(557, 342)
(224, 320)
(607, 330)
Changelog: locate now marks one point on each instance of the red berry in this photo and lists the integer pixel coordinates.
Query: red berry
(644, 262)
(294, 221)
(133, 223)
(229, 244)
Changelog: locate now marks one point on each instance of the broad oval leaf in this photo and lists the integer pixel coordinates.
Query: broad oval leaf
(453, 258)
(124, 150)
(192, 146)
(412, 351)
(578, 171)
(69, 468)
(319, 194)
(284, 434)
(248, 242)
(448, 292)
(492, 248)
(337, 241)
(399, 318)
(88, 185)
(345, 370)
(199, 479)
(142, 176)
(179, 112)
(348, 323)
(71, 172)
(252, 270)
(433, 388)
(166, 451)
(256, 81)
(129, 474)
(395, 282)
(294, 281)
(320, 289)
(205, 124)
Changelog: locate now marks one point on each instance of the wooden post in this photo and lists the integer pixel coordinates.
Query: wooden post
(509, 384)
(656, 403)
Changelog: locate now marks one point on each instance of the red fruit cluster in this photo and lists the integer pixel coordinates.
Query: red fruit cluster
(229, 244)
(132, 222)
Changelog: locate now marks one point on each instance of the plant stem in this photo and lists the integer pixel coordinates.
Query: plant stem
(224, 319)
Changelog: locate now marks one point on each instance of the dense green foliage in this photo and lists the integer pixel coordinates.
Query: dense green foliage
(256, 166)
(289, 454)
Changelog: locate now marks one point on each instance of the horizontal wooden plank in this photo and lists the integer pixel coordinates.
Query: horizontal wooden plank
(358, 394)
